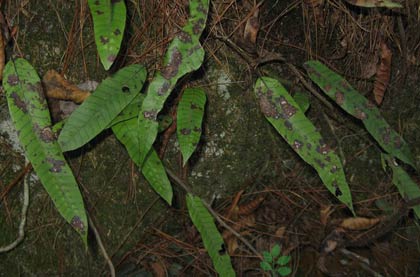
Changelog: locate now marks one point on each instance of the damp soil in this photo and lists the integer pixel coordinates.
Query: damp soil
(239, 151)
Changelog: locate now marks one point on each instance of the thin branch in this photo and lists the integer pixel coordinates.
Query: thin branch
(25, 206)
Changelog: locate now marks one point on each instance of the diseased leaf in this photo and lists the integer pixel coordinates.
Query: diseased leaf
(109, 24)
(153, 170)
(290, 122)
(350, 100)
(99, 110)
(212, 239)
(408, 189)
(29, 112)
(185, 54)
(189, 119)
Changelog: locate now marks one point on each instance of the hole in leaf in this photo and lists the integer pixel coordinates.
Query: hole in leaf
(125, 89)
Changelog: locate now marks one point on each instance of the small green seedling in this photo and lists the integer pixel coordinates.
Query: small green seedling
(274, 263)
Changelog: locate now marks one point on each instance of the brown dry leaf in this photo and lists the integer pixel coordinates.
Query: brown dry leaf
(280, 232)
(325, 214)
(383, 74)
(250, 207)
(369, 67)
(158, 269)
(232, 245)
(359, 223)
(59, 88)
(252, 27)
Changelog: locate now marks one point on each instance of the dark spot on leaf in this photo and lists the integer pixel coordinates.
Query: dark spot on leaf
(337, 189)
(297, 145)
(268, 108)
(194, 107)
(339, 98)
(323, 149)
(370, 105)
(185, 37)
(334, 169)
(308, 146)
(222, 250)
(327, 88)
(115, 1)
(345, 85)
(171, 69)
(288, 109)
(150, 114)
(198, 26)
(111, 58)
(125, 89)
(320, 163)
(202, 9)
(328, 158)
(386, 135)
(397, 142)
(185, 131)
(99, 12)
(360, 114)
(47, 135)
(19, 102)
(164, 88)
(197, 129)
(56, 165)
(97, 2)
(78, 224)
(13, 80)
(104, 40)
(288, 125)
(117, 32)
(194, 49)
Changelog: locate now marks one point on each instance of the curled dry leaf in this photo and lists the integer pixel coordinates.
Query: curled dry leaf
(59, 88)
(250, 207)
(359, 223)
(383, 74)
(252, 27)
(325, 214)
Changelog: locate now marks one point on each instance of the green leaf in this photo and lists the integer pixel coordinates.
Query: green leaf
(99, 110)
(212, 239)
(108, 23)
(29, 112)
(153, 170)
(408, 189)
(350, 100)
(189, 119)
(130, 111)
(302, 99)
(283, 260)
(290, 122)
(185, 54)
(275, 251)
(284, 271)
(267, 256)
(374, 3)
(265, 266)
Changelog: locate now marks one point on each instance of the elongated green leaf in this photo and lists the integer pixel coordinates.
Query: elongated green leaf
(408, 189)
(98, 110)
(375, 3)
(350, 100)
(212, 239)
(108, 23)
(29, 112)
(130, 111)
(153, 170)
(290, 122)
(184, 55)
(302, 99)
(189, 118)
